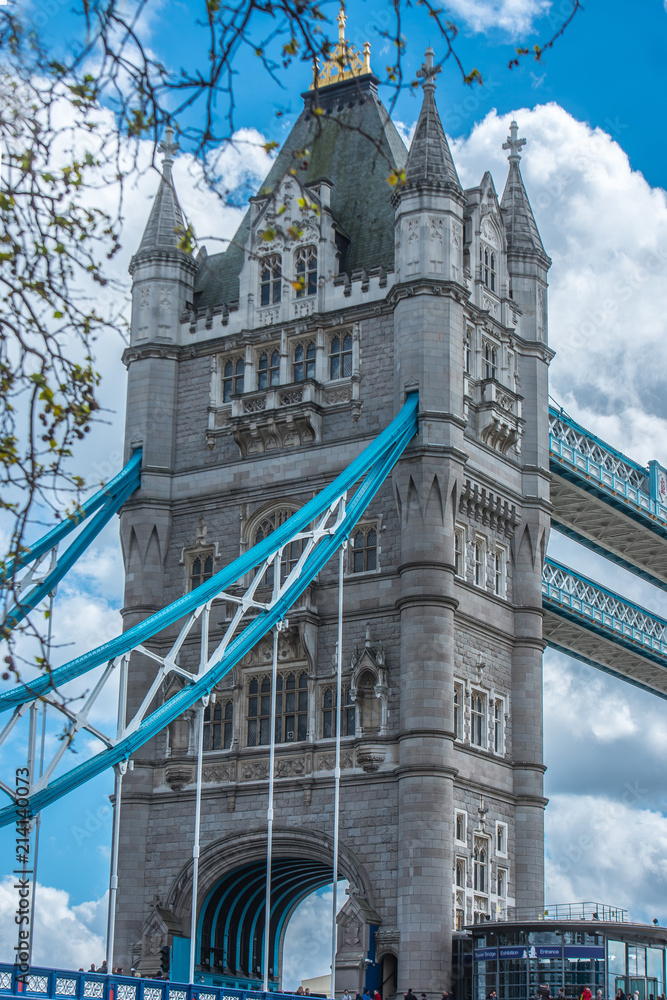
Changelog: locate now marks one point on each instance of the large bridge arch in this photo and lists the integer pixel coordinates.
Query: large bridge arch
(231, 896)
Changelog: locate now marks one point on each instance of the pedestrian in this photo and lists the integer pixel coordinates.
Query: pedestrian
(376, 995)
(346, 994)
(103, 968)
(300, 992)
(620, 995)
(367, 994)
(92, 967)
(409, 995)
(586, 995)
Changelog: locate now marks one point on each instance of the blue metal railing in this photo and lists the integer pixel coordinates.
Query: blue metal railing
(594, 607)
(594, 465)
(49, 984)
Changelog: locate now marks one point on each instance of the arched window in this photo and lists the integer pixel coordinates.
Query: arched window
(270, 279)
(363, 551)
(480, 879)
(291, 552)
(291, 722)
(304, 362)
(499, 573)
(487, 263)
(480, 563)
(348, 713)
(490, 361)
(268, 369)
(218, 720)
(306, 271)
(459, 544)
(461, 873)
(478, 719)
(467, 355)
(201, 569)
(232, 379)
(340, 356)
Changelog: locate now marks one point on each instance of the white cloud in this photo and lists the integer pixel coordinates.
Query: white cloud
(609, 852)
(65, 936)
(606, 230)
(307, 951)
(513, 16)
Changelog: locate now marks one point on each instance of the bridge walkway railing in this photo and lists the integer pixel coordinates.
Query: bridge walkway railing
(50, 984)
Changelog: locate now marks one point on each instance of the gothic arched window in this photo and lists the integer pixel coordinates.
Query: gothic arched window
(478, 725)
(291, 722)
(218, 720)
(487, 264)
(270, 279)
(291, 551)
(232, 378)
(306, 271)
(201, 569)
(480, 879)
(340, 356)
(304, 362)
(490, 360)
(348, 713)
(268, 369)
(363, 551)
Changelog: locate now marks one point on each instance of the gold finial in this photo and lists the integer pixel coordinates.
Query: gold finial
(345, 62)
(341, 24)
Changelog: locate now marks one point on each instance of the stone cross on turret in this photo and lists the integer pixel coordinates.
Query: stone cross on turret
(168, 147)
(514, 143)
(428, 71)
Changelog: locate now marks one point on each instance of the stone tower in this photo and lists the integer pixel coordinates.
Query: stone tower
(255, 376)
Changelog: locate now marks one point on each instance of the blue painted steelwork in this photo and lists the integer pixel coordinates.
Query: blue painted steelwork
(581, 600)
(103, 505)
(374, 464)
(593, 465)
(52, 984)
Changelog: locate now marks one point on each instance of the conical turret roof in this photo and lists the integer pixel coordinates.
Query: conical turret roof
(520, 226)
(430, 160)
(165, 223)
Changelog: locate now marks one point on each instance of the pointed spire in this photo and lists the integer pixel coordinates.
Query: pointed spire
(520, 225)
(166, 216)
(430, 160)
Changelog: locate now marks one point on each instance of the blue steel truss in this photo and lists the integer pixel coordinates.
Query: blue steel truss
(593, 465)
(372, 467)
(94, 514)
(576, 598)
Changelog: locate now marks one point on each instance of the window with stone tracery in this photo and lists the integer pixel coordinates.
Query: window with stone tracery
(480, 563)
(459, 552)
(270, 279)
(306, 271)
(348, 713)
(291, 551)
(201, 568)
(268, 369)
(232, 378)
(487, 264)
(460, 826)
(340, 356)
(490, 360)
(303, 365)
(480, 865)
(291, 720)
(458, 711)
(363, 550)
(218, 720)
(478, 723)
(461, 873)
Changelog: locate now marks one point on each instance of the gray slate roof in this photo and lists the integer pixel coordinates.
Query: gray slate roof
(430, 160)
(520, 225)
(166, 216)
(355, 146)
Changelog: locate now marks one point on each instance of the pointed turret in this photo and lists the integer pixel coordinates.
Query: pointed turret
(166, 218)
(430, 160)
(520, 226)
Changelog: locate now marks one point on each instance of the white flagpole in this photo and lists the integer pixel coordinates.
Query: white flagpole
(339, 690)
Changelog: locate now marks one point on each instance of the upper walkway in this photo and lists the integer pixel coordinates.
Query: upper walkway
(605, 500)
(593, 624)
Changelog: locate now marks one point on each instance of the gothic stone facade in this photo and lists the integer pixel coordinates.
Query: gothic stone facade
(254, 377)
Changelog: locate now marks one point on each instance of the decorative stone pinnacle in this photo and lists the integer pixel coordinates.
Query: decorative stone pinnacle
(514, 144)
(427, 70)
(341, 24)
(168, 147)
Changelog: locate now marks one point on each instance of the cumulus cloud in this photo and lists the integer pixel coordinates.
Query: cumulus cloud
(307, 950)
(603, 850)
(65, 936)
(512, 16)
(605, 228)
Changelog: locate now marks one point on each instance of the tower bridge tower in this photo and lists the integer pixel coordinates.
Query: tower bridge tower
(254, 377)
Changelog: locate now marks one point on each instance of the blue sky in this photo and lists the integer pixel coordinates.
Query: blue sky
(594, 167)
